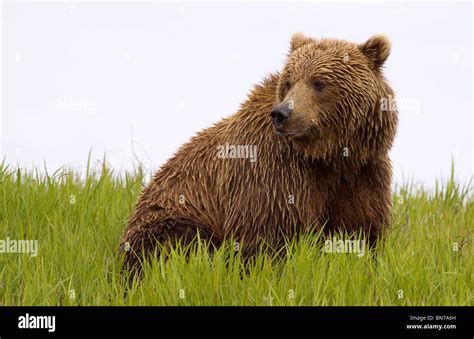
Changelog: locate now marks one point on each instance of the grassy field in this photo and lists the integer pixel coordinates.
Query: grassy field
(427, 258)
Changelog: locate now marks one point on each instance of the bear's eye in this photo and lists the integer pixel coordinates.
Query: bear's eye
(318, 85)
(287, 85)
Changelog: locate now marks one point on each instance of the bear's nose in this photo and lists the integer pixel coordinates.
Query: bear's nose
(280, 114)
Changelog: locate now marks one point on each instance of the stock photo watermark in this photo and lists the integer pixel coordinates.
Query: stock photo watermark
(15, 246)
(345, 246)
(47, 322)
(75, 104)
(405, 104)
(229, 151)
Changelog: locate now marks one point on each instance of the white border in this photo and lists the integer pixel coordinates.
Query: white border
(178, 2)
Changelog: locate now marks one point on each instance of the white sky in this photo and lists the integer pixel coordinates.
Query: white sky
(77, 76)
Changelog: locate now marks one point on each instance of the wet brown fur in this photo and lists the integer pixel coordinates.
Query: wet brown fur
(195, 191)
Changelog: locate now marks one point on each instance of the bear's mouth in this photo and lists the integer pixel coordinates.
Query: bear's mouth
(296, 134)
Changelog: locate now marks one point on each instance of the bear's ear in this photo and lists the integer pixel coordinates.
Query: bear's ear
(298, 40)
(376, 50)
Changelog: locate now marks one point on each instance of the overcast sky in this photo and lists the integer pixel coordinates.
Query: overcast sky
(117, 77)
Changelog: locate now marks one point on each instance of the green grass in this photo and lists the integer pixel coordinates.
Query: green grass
(78, 222)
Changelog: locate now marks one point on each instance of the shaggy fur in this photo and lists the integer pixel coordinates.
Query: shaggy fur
(329, 166)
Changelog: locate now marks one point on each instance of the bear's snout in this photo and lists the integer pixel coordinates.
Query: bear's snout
(280, 114)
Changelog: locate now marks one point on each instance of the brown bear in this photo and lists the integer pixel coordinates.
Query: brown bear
(308, 150)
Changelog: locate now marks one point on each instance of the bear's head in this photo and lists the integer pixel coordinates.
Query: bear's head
(332, 100)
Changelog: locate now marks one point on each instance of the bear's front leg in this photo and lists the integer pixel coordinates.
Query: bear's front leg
(144, 239)
(362, 202)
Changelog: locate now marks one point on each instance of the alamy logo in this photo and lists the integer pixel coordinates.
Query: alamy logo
(37, 322)
(75, 104)
(406, 104)
(228, 151)
(345, 246)
(19, 246)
